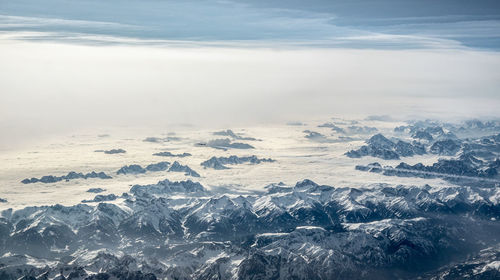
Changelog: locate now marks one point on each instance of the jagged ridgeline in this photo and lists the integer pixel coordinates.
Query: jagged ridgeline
(181, 230)
(124, 170)
(221, 162)
(464, 161)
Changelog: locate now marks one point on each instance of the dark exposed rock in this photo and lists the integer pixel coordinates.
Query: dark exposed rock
(70, 176)
(219, 162)
(131, 169)
(333, 127)
(169, 154)
(233, 135)
(424, 135)
(316, 136)
(305, 231)
(466, 165)
(447, 147)
(225, 144)
(115, 151)
(177, 167)
(160, 166)
(214, 163)
(100, 198)
(157, 167)
(95, 190)
(381, 147)
(153, 140)
(112, 151)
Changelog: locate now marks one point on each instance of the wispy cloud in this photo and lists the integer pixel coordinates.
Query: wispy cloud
(368, 41)
(7, 21)
(33, 29)
(387, 40)
(227, 23)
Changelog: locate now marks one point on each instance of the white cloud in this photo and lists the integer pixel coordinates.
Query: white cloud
(51, 86)
(8, 21)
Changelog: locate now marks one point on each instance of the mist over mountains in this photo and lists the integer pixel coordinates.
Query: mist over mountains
(238, 139)
(431, 220)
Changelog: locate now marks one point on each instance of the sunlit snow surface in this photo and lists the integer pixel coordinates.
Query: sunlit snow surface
(296, 158)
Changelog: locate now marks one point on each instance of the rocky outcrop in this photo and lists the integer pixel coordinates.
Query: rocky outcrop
(112, 151)
(157, 167)
(101, 198)
(169, 154)
(95, 190)
(70, 176)
(446, 147)
(305, 231)
(220, 162)
(381, 147)
(225, 144)
(233, 135)
(177, 167)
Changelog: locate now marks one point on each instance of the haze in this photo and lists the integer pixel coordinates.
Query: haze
(225, 63)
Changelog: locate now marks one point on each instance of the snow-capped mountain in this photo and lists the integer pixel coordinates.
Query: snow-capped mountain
(381, 147)
(181, 230)
(221, 162)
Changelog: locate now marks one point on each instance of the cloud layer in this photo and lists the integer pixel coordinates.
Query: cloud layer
(380, 24)
(47, 86)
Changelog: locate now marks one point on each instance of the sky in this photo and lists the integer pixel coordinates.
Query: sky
(69, 64)
(325, 23)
